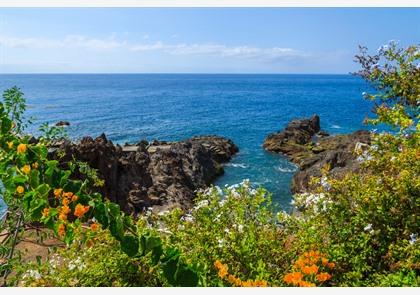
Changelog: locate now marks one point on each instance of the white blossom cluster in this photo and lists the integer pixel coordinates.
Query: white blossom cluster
(305, 201)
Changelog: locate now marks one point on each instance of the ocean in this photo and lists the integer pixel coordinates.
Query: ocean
(244, 108)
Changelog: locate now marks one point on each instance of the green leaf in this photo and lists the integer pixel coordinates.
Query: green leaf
(34, 179)
(130, 245)
(43, 190)
(186, 277)
(101, 214)
(116, 227)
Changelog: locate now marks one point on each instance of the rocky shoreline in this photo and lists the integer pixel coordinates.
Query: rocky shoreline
(165, 175)
(306, 145)
(159, 174)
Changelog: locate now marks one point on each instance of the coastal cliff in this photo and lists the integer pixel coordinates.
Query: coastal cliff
(306, 145)
(159, 174)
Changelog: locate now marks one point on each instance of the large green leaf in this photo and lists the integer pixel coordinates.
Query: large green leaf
(185, 276)
(130, 245)
(101, 214)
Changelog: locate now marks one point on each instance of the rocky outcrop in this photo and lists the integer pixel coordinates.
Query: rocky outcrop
(311, 149)
(159, 174)
(62, 123)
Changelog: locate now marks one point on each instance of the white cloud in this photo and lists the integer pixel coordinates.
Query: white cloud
(112, 43)
(66, 42)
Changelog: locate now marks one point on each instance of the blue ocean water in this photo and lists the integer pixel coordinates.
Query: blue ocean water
(245, 108)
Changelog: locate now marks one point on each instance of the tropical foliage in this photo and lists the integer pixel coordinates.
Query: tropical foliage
(359, 230)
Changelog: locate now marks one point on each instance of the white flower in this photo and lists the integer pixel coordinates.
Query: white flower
(325, 184)
(368, 228)
(203, 203)
(187, 218)
(162, 213)
(227, 231)
(76, 264)
(221, 242)
(217, 217)
(413, 238)
(33, 274)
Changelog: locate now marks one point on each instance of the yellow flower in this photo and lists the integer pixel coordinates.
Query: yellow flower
(26, 169)
(10, 144)
(21, 149)
(20, 189)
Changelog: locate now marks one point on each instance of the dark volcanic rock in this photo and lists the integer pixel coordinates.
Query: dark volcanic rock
(62, 123)
(311, 149)
(160, 174)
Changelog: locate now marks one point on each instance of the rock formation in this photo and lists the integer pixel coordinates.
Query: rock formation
(159, 174)
(304, 144)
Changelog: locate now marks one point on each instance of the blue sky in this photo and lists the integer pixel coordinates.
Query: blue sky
(197, 40)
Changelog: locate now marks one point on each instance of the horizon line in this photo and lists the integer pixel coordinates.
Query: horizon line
(169, 73)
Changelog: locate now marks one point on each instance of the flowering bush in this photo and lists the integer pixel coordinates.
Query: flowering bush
(363, 226)
(37, 190)
(310, 270)
(367, 222)
(237, 225)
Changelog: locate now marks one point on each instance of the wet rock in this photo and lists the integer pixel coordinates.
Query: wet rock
(160, 174)
(303, 144)
(62, 123)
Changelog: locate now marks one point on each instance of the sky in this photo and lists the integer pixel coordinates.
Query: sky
(197, 40)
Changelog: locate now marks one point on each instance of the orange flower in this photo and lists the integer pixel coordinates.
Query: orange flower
(26, 169)
(20, 189)
(306, 284)
(80, 210)
(45, 212)
(94, 226)
(331, 265)
(57, 192)
(323, 276)
(260, 283)
(300, 263)
(309, 270)
(65, 210)
(35, 165)
(234, 280)
(61, 230)
(74, 198)
(68, 195)
(10, 144)
(21, 148)
(218, 264)
(66, 201)
(324, 261)
(293, 278)
(247, 284)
